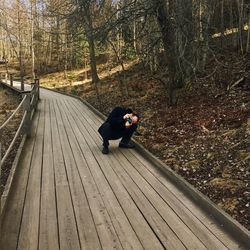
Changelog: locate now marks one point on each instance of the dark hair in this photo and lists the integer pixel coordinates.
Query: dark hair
(129, 111)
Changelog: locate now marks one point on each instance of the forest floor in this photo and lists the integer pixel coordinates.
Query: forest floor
(205, 139)
(8, 103)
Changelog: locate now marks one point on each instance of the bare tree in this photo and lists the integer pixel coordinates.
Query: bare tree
(86, 9)
(32, 52)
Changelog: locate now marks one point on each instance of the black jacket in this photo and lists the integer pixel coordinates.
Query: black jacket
(115, 119)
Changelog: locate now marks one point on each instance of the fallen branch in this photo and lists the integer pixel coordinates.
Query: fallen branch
(236, 83)
(204, 129)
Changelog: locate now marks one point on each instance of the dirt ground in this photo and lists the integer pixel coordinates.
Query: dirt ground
(205, 139)
(8, 103)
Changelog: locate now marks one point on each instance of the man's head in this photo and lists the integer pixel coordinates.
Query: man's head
(135, 118)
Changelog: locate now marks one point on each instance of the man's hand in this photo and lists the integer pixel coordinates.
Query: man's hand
(125, 117)
(127, 124)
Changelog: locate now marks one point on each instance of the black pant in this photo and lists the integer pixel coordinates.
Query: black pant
(109, 133)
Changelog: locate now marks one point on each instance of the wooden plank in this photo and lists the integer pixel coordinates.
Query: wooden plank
(86, 227)
(159, 225)
(183, 232)
(206, 219)
(68, 235)
(28, 237)
(48, 232)
(208, 224)
(12, 220)
(184, 225)
(198, 229)
(119, 221)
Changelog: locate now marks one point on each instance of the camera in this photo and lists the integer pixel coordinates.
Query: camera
(129, 120)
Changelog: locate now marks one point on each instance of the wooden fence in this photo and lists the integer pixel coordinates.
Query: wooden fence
(28, 105)
(14, 81)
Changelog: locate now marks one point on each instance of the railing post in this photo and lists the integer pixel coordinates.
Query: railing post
(26, 107)
(22, 84)
(37, 81)
(11, 80)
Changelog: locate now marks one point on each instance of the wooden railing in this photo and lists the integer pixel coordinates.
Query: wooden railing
(28, 104)
(14, 81)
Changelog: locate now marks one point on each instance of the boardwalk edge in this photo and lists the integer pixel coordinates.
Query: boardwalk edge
(233, 227)
(10, 180)
(8, 186)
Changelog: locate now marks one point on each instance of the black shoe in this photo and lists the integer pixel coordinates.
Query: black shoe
(125, 145)
(105, 150)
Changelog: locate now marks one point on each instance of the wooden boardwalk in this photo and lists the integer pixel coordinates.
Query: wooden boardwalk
(68, 195)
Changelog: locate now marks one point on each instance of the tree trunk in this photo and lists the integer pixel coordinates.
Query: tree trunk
(121, 76)
(118, 36)
(205, 36)
(32, 43)
(20, 42)
(165, 20)
(95, 78)
(248, 34)
(85, 65)
(90, 39)
(240, 22)
(176, 25)
(186, 27)
(2, 41)
(134, 36)
(222, 28)
(94, 74)
(57, 42)
(66, 60)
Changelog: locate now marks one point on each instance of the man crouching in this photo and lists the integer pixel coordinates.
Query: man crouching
(121, 123)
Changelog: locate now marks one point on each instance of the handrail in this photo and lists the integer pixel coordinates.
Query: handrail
(14, 139)
(11, 80)
(29, 108)
(13, 114)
